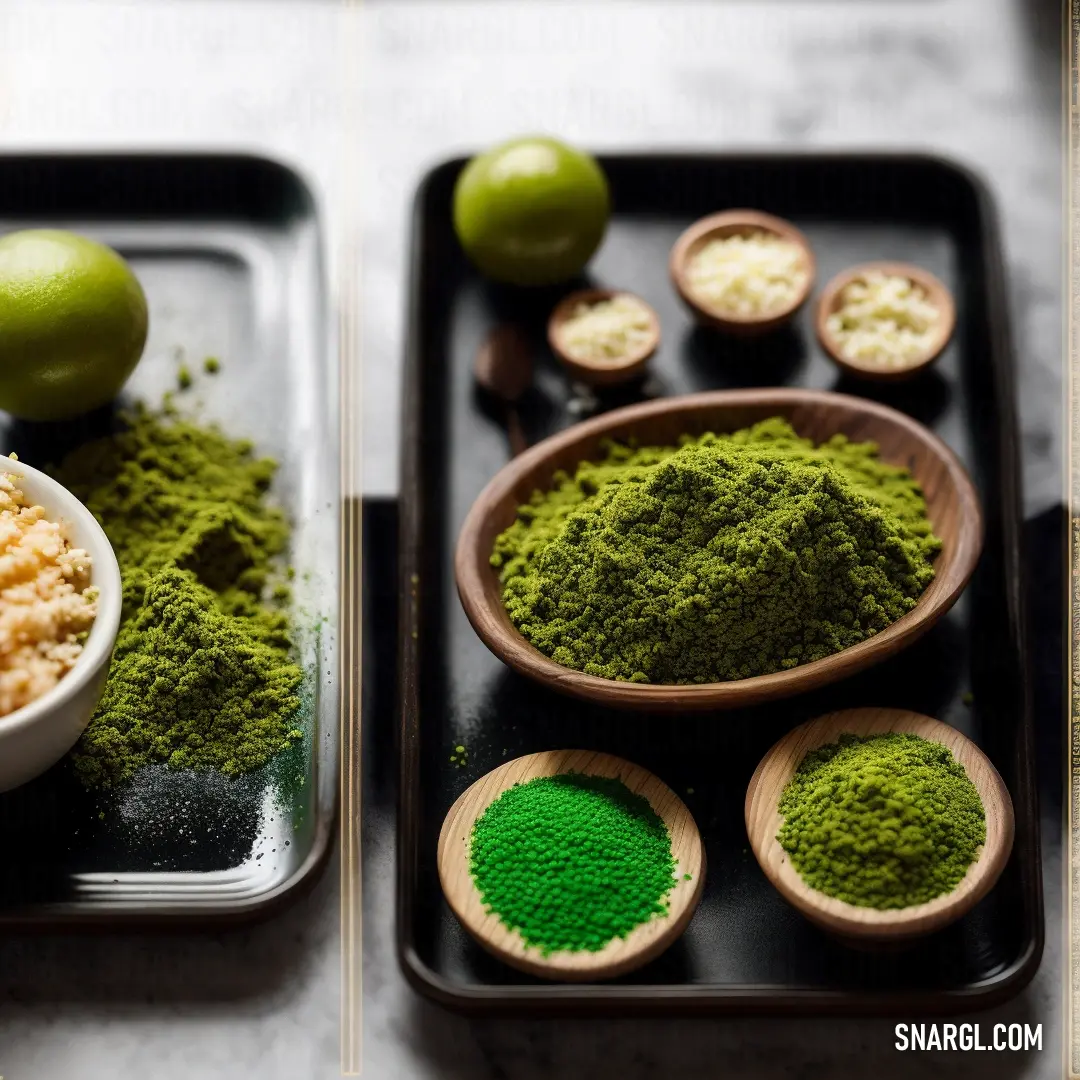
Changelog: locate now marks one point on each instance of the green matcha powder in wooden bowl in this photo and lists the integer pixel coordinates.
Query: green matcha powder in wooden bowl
(723, 558)
(884, 821)
(879, 823)
(571, 864)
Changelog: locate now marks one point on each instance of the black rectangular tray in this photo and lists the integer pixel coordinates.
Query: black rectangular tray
(746, 950)
(229, 252)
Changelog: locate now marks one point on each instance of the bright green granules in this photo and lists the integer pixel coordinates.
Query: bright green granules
(572, 861)
(202, 675)
(722, 558)
(886, 821)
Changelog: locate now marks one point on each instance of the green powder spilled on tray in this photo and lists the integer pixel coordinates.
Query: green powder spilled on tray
(886, 821)
(202, 674)
(725, 557)
(572, 861)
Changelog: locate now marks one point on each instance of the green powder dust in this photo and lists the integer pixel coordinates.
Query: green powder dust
(722, 558)
(572, 861)
(886, 821)
(203, 675)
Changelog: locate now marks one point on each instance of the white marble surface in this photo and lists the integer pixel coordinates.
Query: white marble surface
(417, 80)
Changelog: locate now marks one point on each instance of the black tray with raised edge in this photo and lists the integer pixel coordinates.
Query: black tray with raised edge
(229, 252)
(746, 950)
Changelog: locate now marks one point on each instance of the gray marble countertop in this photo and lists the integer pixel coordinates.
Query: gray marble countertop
(416, 81)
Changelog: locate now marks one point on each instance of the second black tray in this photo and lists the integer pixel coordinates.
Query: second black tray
(745, 950)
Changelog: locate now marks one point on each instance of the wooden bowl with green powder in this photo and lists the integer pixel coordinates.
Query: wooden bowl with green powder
(571, 864)
(879, 824)
(718, 550)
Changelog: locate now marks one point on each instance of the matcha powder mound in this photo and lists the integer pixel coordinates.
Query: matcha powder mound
(202, 674)
(887, 821)
(572, 861)
(723, 558)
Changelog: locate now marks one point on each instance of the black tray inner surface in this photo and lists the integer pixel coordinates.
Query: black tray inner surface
(744, 938)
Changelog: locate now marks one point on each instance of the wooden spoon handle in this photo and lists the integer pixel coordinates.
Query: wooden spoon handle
(518, 443)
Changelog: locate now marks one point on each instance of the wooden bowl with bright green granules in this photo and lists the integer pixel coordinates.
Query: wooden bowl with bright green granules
(571, 864)
(906, 826)
(951, 508)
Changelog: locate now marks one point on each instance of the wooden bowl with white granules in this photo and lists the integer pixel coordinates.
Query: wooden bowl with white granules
(602, 370)
(35, 736)
(746, 224)
(952, 508)
(880, 369)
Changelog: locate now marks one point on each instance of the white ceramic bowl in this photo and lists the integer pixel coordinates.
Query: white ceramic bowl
(36, 736)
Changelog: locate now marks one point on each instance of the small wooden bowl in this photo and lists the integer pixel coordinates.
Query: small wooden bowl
(952, 507)
(733, 223)
(601, 372)
(937, 294)
(763, 822)
(620, 955)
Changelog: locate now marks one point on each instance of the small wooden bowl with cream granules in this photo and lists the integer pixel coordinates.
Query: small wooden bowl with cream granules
(865, 924)
(746, 224)
(882, 368)
(619, 956)
(36, 735)
(602, 370)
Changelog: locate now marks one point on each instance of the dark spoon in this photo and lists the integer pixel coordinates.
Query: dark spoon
(504, 369)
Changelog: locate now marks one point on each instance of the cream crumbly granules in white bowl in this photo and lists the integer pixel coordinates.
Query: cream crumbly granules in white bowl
(47, 605)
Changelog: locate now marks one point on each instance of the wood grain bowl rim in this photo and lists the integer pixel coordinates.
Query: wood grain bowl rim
(480, 593)
(868, 924)
(937, 292)
(601, 372)
(729, 222)
(619, 956)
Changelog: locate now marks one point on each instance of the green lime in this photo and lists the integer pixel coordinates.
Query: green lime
(531, 211)
(73, 324)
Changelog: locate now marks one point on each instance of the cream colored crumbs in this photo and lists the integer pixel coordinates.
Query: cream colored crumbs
(608, 329)
(885, 320)
(46, 605)
(747, 276)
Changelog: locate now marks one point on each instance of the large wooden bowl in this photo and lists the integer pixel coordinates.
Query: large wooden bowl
(952, 506)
